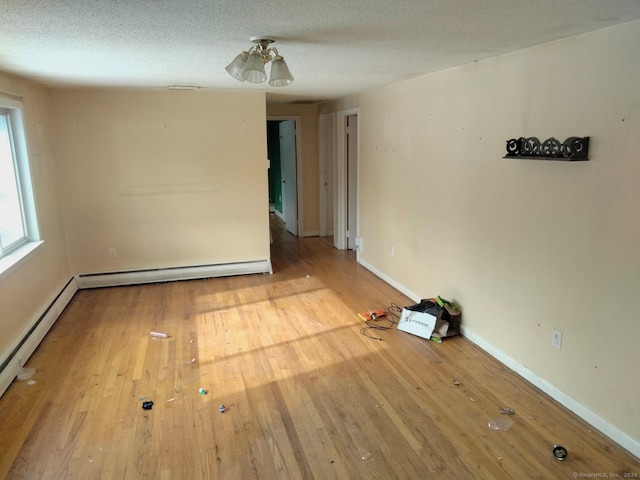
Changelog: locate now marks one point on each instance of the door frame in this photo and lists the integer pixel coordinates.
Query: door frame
(341, 201)
(326, 154)
(298, 120)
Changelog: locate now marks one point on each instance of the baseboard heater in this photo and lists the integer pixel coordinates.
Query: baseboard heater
(28, 341)
(157, 275)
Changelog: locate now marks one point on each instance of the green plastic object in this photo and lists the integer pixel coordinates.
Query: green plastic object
(441, 301)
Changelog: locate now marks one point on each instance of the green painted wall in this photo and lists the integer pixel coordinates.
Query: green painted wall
(273, 150)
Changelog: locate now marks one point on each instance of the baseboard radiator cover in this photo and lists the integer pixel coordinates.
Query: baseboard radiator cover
(171, 274)
(14, 358)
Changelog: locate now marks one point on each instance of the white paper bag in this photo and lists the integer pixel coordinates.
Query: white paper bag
(417, 323)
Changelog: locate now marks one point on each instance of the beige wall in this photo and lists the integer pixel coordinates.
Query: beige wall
(524, 246)
(30, 288)
(168, 178)
(308, 114)
(341, 104)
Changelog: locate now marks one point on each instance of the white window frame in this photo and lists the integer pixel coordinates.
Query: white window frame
(17, 251)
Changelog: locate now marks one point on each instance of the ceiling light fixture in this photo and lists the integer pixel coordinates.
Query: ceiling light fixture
(248, 66)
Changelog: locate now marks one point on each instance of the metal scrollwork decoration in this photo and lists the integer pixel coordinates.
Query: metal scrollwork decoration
(573, 148)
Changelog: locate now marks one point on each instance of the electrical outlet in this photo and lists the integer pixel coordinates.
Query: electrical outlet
(556, 339)
(392, 250)
(113, 253)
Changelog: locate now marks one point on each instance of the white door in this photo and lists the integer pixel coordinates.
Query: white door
(352, 180)
(346, 180)
(326, 150)
(288, 172)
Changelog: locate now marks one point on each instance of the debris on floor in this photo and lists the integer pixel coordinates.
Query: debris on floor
(159, 335)
(559, 452)
(456, 382)
(372, 314)
(202, 391)
(222, 408)
(502, 423)
(371, 317)
(147, 405)
(432, 319)
(25, 373)
(507, 411)
(366, 456)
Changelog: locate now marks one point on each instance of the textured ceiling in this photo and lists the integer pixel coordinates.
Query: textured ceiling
(333, 47)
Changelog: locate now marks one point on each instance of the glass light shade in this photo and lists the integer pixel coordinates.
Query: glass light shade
(280, 74)
(254, 69)
(236, 67)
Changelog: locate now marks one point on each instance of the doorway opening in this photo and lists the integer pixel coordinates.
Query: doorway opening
(283, 148)
(326, 170)
(346, 198)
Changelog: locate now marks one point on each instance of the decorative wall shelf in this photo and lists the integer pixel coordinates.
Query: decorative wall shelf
(572, 149)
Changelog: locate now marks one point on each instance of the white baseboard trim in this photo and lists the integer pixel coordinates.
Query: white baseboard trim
(112, 279)
(614, 433)
(311, 234)
(412, 295)
(14, 358)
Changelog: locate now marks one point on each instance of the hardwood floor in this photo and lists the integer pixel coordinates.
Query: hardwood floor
(306, 395)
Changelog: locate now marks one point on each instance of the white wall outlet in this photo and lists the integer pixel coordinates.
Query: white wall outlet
(556, 338)
(392, 250)
(113, 253)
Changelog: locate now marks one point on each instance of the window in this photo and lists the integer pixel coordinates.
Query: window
(17, 213)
